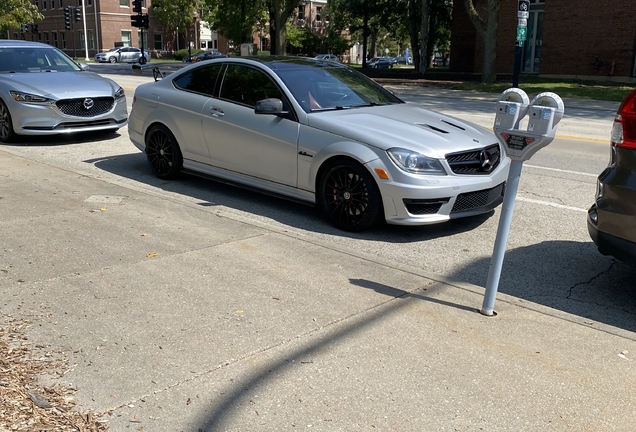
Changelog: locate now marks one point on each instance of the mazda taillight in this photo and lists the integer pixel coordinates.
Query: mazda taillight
(624, 129)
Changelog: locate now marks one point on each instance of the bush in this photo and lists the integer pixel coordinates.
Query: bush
(181, 54)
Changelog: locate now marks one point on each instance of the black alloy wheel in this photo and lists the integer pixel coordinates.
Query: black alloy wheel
(349, 196)
(163, 152)
(7, 134)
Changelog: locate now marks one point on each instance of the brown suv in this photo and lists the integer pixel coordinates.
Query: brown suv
(611, 221)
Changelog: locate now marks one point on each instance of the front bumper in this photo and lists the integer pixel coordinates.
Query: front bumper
(421, 200)
(45, 119)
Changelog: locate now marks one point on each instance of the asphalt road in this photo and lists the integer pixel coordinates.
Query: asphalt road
(550, 258)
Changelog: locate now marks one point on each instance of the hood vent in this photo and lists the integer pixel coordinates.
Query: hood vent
(453, 125)
(436, 129)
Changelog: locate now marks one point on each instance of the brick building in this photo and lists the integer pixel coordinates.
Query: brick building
(106, 23)
(584, 39)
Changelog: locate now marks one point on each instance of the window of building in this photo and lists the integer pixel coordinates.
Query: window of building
(37, 4)
(319, 13)
(63, 40)
(89, 39)
(54, 36)
(46, 38)
(43, 4)
(125, 38)
(89, 3)
(143, 3)
(52, 4)
(124, 3)
(143, 35)
(301, 12)
(158, 38)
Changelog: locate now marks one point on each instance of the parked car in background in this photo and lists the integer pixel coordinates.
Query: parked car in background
(403, 60)
(320, 133)
(123, 55)
(328, 57)
(380, 63)
(204, 55)
(44, 92)
(611, 220)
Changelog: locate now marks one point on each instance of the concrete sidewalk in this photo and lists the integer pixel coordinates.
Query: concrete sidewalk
(180, 317)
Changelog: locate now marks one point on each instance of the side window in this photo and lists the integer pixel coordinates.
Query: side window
(199, 80)
(246, 86)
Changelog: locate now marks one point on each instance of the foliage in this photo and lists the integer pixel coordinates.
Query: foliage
(174, 15)
(183, 53)
(236, 20)
(14, 13)
(336, 43)
(303, 37)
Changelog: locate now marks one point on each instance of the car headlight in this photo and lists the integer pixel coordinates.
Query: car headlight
(120, 94)
(29, 98)
(415, 163)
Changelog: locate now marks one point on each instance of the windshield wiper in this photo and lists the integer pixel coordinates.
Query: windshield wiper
(370, 104)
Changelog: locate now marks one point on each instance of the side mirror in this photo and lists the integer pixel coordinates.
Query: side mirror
(269, 106)
(84, 66)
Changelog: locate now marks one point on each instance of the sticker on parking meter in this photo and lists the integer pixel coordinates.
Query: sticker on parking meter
(546, 114)
(515, 142)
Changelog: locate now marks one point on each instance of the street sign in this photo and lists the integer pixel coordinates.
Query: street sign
(524, 15)
(522, 33)
(524, 5)
(522, 22)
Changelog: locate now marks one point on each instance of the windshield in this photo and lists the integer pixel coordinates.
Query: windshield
(329, 88)
(35, 60)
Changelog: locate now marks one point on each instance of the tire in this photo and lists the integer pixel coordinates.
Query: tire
(112, 60)
(7, 134)
(163, 152)
(348, 196)
(142, 60)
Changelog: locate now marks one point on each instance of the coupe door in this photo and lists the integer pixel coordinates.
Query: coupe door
(259, 145)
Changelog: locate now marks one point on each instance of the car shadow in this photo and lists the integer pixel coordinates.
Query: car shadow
(61, 140)
(211, 193)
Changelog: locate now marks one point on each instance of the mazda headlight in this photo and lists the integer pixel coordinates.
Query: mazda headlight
(415, 163)
(120, 94)
(29, 98)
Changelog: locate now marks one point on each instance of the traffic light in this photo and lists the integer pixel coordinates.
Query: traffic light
(24, 28)
(34, 28)
(136, 20)
(67, 18)
(78, 14)
(136, 6)
(145, 21)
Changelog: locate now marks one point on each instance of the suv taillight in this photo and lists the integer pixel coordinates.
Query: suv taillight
(624, 129)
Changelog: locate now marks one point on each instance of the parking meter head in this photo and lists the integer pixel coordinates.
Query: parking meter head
(512, 106)
(546, 111)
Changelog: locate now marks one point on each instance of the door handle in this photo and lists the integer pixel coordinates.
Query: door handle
(216, 112)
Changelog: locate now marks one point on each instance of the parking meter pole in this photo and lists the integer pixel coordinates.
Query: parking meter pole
(499, 251)
(517, 66)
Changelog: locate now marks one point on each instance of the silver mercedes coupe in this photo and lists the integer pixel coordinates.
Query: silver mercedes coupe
(317, 132)
(44, 92)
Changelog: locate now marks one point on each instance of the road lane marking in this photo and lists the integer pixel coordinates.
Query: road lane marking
(550, 204)
(562, 170)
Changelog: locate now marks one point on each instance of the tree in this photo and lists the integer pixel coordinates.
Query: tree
(279, 13)
(487, 25)
(174, 15)
(236, 20)
(14, 13)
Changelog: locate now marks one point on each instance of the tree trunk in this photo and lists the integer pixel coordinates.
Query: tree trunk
(424, 37)
(487, 28)
(415, 43)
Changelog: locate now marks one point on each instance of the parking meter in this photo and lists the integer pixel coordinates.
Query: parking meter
(544, 113)
(512, 106)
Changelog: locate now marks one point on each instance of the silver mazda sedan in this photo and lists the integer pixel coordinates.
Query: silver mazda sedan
(44, 92)
(321, 133)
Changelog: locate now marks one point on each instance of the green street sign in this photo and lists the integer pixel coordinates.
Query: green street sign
(522, 33)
